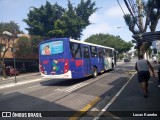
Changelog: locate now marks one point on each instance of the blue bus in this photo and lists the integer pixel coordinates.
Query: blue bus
(65, 58)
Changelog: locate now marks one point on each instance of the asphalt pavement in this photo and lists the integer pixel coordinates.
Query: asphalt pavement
(127, 104)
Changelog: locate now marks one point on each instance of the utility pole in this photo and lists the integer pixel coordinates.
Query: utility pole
(14, 55)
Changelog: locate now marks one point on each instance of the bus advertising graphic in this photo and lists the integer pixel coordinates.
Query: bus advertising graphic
(52, 48)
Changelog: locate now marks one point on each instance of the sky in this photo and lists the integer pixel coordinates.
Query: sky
(106, 20)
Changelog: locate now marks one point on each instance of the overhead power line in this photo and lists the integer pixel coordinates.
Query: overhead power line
(121, 7)
(129, 8)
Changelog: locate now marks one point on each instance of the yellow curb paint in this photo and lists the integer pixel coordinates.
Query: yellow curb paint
(85, 109)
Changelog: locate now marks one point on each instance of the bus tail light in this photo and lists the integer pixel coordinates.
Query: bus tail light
(66, 66)
(41, 68)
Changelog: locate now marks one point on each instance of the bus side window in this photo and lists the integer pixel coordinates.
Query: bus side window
(100, 52)
(107, 52)
(110, 53)
(75, 50)
(94, 53)
(104, 52)
(85, 52)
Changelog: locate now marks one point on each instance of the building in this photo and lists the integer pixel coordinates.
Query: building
(24, 64)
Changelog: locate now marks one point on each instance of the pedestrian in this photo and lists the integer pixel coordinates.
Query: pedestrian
(142, 67)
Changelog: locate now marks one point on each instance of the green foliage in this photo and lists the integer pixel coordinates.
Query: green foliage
(14, 29)
(28, 46)
(149, 51)
(129, 20)
(35, 40)
(23, 46)
(55, 21)
(85, 9)
(120, 56)
(41, 20)
(10, 27)
(152, 6)
(110, 41)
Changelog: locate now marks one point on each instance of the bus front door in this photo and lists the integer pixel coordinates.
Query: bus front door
(87, 62)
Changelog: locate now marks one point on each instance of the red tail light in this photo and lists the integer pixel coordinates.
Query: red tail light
(41, 68)
(66, 66)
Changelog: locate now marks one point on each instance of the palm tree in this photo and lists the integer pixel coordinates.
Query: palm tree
(142, 15)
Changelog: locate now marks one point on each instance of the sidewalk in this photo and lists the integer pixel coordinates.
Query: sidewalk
(130, 102)
(21, 79)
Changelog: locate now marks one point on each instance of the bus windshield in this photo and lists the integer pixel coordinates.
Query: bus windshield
(51, 48)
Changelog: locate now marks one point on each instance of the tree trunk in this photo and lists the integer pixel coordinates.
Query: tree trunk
(3, 69)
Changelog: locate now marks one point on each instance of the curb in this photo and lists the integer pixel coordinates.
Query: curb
(19, 83)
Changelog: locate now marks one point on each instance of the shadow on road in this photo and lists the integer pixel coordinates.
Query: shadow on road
(22, 103)
(63, 82)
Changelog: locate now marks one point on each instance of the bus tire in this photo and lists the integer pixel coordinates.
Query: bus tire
(112, 66)
(95, 73)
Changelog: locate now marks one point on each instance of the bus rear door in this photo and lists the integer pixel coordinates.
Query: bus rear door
(101, 59)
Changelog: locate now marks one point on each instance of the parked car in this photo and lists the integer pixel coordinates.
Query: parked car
(11, 71)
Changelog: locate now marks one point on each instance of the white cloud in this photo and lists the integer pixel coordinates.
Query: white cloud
(94, 18)
(106, 21)
(116, 11)
(102, 27)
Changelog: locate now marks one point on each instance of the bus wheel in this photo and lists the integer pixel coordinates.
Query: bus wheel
(112, 66)
(95, 73)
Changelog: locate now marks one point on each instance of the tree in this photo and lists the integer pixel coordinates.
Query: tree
(35, 40)
(6, 41)
(110, 41)
(41, 20)
(28, 46)
(141, 12)
(69, 24)
(55, 21)
(23, 47)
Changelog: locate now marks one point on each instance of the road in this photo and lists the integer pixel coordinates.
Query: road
(66, 99)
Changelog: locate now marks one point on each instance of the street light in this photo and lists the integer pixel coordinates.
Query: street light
(121, 27)
(14, 50)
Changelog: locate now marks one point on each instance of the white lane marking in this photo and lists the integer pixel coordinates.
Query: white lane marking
(114, 98)
(72, 88)
(76, 87)
(34, 86)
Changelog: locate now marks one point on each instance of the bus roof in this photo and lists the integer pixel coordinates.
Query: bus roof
(86, 43)
(77, 41)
